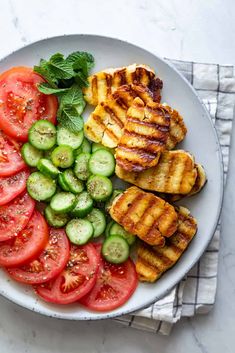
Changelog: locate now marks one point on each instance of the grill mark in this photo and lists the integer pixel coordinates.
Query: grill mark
(126, 218)
(187, 167)
(112, 115)
(143, 153)
(122, 104)
(130, 166)
(94, 88)
(171, 171)
(160, 141)
(104, 127)
(122, 75)
(144, 262)
(157, 126)
(161, 256)
(147, 210)
(108, 79)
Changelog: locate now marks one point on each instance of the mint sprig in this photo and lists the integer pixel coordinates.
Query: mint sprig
(65, 78)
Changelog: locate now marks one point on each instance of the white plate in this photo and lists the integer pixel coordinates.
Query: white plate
(201, 140)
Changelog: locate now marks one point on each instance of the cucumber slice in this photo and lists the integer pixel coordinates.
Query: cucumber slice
(102, 162)
(62, 156)
(97, 146)
(81, 169)
(69, 138)
(42, 135)
(62, 184)
(108, 203)
(97, 219)
(107, 229)
(47, 154)
(116, 229)
(83, 206)
(115, 249)
(79, 231)
(31, 155)
(63, 202)
(40, 187)
(84, 148)
(54, 219)
(46, 167)
(74, 184)
(99, 187)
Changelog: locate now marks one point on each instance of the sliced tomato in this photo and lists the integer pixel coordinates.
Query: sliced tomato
(77, 279)
(12, 186)
(48, 264)
(15, 215)
(21, 104)
(114, 286)
(27, 244)
(11, 161)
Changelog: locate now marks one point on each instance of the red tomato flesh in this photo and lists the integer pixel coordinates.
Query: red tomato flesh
(21, 104)
(114, 286)
(76, 280)
(48, 264)
(11, 161)
(12, 186)
(15, 215)
(27, 244)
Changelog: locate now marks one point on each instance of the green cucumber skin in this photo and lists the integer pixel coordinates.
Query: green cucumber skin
(38, 140)
(55, 220)
(93, 189)
(62, 184)
(75, 185)
(66, 208)
(79, 237)
(27, 151)
(82, 211)
(110, 254)
(107, 229)
(50, 171)
(81, 169)
(35, 186)
(97, 216)
(84, 148)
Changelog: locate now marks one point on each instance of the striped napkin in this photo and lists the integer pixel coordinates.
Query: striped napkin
(195, 294)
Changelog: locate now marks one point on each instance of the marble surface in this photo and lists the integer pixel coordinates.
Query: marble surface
(196, 30)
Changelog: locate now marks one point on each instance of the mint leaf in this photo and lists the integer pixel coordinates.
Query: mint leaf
(73, 96)
(46, 75)
(70, 119)
(60, 67)
(45, 88)
(81, 79)
(77, 55)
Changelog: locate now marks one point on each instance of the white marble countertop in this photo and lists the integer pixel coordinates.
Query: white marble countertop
(196, 30)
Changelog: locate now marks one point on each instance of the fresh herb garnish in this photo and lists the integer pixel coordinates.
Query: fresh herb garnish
(65, 78)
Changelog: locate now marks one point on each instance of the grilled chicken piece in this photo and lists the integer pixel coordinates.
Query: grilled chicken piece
(104, 83)
(105, 124)
(145, 215)
(152, 262)
(198, 185)
(144, 136)
(175, 173)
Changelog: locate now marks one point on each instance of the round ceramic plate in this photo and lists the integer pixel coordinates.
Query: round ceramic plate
(201, 141)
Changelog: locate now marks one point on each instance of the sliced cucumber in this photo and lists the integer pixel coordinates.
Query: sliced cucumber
(47, 154)
(84, 205)
(62, 156)
(62, 184)
(107, 229)
(108, 203)
(42, 135)
(115, 249)
(116, 229)
(31, 155)
(97, 146)
(54, 219)
(97, 219)
(40, 187)
(84, 148)
(81, 166)
(63, 202)
(102, 162)
(74, 184)
(79, 231)
(99, 187)
(47, 167)
(69, 138)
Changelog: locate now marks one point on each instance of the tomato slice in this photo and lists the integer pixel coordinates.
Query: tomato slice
(11, 161)
(49, 263)
(27, 244)
(12, 186)
(76, 280)
(15, 215)
(21, 104)
(114, 286)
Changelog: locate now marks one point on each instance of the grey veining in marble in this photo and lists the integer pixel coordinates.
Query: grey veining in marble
(196, 30)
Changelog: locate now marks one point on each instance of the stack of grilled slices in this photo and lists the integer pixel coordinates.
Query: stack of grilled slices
(129, 117)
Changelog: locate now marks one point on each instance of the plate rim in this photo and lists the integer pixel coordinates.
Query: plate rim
(103, 316)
